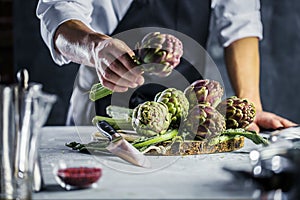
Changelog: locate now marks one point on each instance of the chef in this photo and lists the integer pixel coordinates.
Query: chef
(83, 32)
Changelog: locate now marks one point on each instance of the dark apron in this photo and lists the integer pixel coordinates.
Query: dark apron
(190, 17)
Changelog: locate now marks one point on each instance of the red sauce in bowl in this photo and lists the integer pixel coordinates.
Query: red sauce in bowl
(79, 176)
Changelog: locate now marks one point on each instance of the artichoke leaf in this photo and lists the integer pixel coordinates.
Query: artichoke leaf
(252, 135)
(90, 147)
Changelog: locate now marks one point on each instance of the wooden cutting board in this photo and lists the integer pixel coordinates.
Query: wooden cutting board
(199, 147)
(194, 147)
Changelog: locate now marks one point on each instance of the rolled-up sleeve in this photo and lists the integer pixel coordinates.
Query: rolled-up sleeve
(52, 13)
(236, 19)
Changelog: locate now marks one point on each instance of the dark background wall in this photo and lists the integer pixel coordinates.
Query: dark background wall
(6, 41)
(279, 58)
(31, 53)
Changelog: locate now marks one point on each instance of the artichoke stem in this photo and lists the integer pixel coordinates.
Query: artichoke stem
(157, 139)
(98, 91)
(114, 122)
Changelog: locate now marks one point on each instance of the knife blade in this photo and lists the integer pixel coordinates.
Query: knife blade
(120, 147)
(290, 133)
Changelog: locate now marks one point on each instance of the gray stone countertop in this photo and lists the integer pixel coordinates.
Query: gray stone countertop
(171, 177)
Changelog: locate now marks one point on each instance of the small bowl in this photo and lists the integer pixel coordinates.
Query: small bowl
(77, 174)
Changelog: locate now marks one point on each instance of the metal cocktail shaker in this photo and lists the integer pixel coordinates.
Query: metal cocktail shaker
(24, 108)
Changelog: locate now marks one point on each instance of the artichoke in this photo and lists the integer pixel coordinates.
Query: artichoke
(151, 118)
(159, 53)
(205, 122)
(239, 113)
(204, 91)
(156, 54)
(177, 103)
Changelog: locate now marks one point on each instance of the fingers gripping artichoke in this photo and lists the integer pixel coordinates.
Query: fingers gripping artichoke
(177, 103)
(151, 118)
(159, 53)
(156, 54)
(204, 91)
(239, 113)
(204, 121)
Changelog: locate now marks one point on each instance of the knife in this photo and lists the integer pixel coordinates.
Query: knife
(290, 133)
(120, 147)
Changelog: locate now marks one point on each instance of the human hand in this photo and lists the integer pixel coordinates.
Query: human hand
(111, 57)
(269, 120)
(115, 66)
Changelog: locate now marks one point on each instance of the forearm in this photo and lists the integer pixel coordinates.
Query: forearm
(74, 40)
(243, 65)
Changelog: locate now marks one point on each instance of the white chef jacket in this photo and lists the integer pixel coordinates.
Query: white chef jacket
(233, 20)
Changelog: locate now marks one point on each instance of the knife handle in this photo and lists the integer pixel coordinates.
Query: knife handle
(107, 130)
